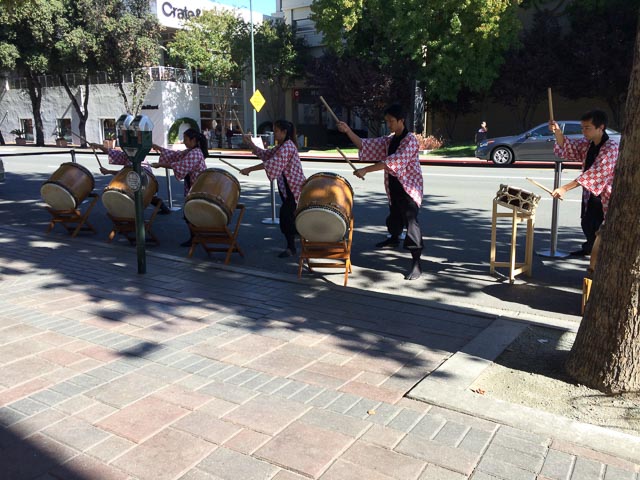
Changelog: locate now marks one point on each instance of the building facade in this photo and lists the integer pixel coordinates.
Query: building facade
(175, 94)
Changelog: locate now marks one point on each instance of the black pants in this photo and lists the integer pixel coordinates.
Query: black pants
(592, 218)
(287, 217)
(403, 212)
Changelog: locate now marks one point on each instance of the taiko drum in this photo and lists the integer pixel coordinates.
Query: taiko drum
(119, 199)
(212, 199)
(325, 208)
(67, 187)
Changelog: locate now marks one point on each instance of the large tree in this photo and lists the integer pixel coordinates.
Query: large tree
(132, 36)
(606, 352)
(280, 60)
(452, 45)
(540, 58)
(212, 44)
(28, 32)
(598, 47)
(359, 85)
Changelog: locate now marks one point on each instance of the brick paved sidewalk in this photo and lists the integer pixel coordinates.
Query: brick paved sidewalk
(196, 371)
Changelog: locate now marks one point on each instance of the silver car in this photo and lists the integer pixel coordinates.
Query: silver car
(535, 145)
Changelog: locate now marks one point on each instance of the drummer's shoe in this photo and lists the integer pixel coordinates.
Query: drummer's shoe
(415, 271)
(187, 243)
(164, 210)
(287, 253)
(391, 242)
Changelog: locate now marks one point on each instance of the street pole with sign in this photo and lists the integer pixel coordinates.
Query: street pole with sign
(135, 138)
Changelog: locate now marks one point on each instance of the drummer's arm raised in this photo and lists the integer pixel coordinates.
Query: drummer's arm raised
(255, 168)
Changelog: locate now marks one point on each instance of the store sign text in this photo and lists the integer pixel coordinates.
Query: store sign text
(180, 13)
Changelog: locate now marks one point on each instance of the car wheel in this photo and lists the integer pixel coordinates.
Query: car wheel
(502, 156)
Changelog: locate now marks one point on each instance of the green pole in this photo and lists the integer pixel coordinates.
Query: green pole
(140, 239)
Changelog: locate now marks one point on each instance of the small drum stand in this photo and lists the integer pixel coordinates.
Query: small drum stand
(553, 252)
(273, 220)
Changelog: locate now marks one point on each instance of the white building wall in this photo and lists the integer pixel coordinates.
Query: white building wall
(165, 102)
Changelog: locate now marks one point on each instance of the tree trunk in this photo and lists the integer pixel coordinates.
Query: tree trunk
(606, 353)
(35, 94)
(82, 111)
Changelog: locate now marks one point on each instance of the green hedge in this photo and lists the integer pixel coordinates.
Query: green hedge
(175, 128)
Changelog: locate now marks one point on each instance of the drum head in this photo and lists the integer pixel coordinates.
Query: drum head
(119, 204)
(205, 213)
(321, 224)
(57, 196)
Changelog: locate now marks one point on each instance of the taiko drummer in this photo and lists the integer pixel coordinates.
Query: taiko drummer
(118, 157)
(282, 163)
(397, 155)
(186, 164)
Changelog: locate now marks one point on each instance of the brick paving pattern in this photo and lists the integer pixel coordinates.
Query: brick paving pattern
(194, 372)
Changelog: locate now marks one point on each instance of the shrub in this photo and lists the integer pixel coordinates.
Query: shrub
(429, 142)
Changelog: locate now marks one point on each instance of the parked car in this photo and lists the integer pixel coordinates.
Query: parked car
(535, 145)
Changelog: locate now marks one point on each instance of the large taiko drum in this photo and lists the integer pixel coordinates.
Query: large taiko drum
(67, 187)
(119, 199)
(324, 209)
(212, 199)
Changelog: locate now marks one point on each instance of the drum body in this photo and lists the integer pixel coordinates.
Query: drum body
(119, 199)
(517, 199)
(212, 199)
(324, 209)
(67, 187)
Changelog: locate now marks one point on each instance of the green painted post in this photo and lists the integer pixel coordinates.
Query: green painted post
(135, 138)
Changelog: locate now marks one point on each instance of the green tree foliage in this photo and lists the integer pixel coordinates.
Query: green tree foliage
(451, 44)
(27, 37)
(131, 39)
(360, 85)
(215, 44)
(539, 58)
(280, 60)
(599, 51)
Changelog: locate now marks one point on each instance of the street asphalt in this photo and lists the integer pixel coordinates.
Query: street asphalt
(199, 370)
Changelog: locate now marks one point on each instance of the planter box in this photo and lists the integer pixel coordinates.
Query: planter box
(21, 141)
(61, 142)
(109, 143)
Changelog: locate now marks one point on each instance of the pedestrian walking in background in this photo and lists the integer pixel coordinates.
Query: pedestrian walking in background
(481, 134)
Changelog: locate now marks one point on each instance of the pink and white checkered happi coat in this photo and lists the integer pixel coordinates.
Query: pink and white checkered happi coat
(184, 162)
(598, 179)
(118, 157)
(404, 164)
(284, 161)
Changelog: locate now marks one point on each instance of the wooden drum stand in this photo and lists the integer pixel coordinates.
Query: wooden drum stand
(586, 282)
(522, 206)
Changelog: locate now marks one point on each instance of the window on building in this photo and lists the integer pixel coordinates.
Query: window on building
(26, 125)
(108, 129)
(63, 128)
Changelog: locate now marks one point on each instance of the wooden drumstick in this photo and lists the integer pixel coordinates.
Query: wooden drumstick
(329, 109)
(238, 120)
(345, 157)
(230, 164)
(550, 98)
(541, 186)
(85, 140)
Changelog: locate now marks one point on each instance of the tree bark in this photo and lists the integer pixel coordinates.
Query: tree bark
(606, 353)
(34, 88)
(82, 111)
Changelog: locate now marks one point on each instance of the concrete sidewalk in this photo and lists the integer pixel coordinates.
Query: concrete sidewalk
(199, 371)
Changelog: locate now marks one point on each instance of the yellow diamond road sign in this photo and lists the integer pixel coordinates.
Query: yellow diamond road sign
(257, 100)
